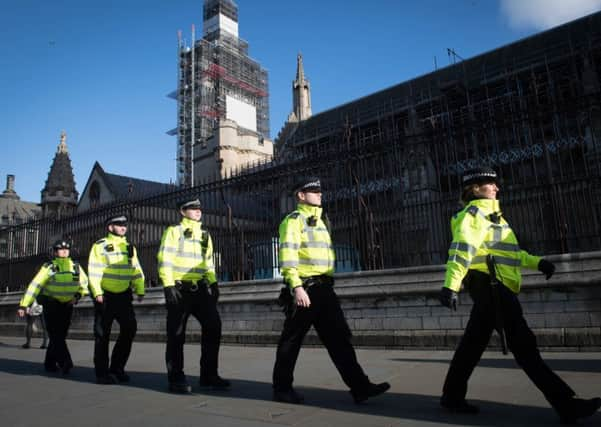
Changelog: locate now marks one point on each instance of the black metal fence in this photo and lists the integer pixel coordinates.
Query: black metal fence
(380, 217)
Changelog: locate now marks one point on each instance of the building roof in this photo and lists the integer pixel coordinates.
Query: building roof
(472, 72)
(126, 187)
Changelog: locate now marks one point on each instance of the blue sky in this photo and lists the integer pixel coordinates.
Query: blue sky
(101, 70)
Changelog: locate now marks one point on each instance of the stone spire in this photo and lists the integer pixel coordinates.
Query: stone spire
(301, 94)
(59, 196)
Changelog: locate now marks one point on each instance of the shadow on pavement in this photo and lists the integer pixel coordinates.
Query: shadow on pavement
(396, 405)
(573, 365)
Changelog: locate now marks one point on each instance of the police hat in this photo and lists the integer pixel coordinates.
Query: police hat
(190, 204)
(61, 244)
(307, 184)
(481, 175)
(117, 219)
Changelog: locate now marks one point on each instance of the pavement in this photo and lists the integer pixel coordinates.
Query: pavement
(31, 397)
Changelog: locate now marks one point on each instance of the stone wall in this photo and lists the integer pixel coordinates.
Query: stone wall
(389, 308)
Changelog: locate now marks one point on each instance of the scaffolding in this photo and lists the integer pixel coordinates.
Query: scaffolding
(215, 67)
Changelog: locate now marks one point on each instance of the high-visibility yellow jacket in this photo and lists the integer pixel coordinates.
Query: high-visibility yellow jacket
(186, 254)
(305, 250)
(475, 236)
(113, 266)
(60, 279)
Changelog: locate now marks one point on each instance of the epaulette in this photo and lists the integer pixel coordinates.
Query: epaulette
(48, 264)
(100, 241)
(294, 215)
(472, 210)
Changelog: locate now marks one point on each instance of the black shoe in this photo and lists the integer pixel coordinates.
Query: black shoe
(51, 368)
(288, 396)
(42, 346)
(575, 408)
(106, 379)
(458, 406)
(121, 376)
(26, 345)
(215, 382)
(66, 368)
(180, 387)
(371, 391)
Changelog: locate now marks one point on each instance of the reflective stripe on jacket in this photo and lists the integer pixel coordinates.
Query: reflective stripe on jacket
(111, 268)
(475, 236)
(186, 253)
(304, 250)
(57, 280)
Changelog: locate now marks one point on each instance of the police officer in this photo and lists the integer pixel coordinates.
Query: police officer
(307, 263)
(187, 272)
(480, 230)
(114, 271)
(58, 286)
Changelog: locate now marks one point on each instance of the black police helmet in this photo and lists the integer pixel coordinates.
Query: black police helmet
(61, 244)
(482, 175)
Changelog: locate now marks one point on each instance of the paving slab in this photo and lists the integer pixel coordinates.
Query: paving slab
(31, 397)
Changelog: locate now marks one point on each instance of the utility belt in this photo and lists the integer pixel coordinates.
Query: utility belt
(322, 279)
(191, 285)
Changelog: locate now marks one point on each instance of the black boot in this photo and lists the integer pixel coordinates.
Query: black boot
(288, 396)
(458, 406)
(180, 387)
(214, 382)
(121, 376)
(574, 408)
(66, 368)
(106, 379)
(371, 391)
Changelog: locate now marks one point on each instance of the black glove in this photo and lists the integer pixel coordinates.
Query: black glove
(172, 295)
(546, 267)
(215, 291)
(448, 298)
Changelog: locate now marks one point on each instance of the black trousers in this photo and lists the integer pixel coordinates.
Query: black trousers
(203, 307)
(520, 340)
(57, 316)
(119, 307)
(326, 315)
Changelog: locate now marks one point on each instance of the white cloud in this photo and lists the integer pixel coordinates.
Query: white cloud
(543, 14)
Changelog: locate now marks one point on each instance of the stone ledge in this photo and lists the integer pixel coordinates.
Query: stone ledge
(584, 339)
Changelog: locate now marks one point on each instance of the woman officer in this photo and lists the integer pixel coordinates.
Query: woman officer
(481, 234)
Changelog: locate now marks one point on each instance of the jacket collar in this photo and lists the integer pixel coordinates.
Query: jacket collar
(309, 210)
(64, 264)
(487, 206)
(190, 223)
(113, 238)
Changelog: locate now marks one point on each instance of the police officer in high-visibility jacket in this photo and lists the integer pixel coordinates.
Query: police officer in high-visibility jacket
(58, 286)
(306, 258)
(114, 271)
(186, 269)
(480, 231)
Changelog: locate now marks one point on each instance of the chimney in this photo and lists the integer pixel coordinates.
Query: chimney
(10, 183)
(10, 188)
